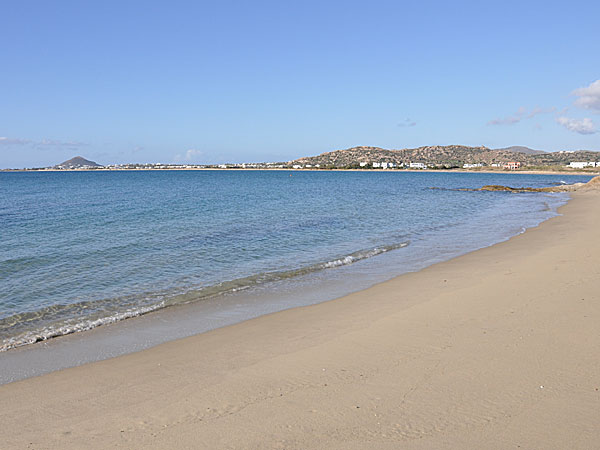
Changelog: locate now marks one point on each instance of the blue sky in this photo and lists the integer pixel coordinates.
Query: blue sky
(205, 82)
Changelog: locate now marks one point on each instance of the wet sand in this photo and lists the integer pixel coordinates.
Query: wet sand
(495, 349)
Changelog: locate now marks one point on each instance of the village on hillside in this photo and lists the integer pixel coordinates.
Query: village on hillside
(451, 157)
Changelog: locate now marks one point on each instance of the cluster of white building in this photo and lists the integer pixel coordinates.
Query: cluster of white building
(390, 165)
(382, 165)
(584, 164)
(308, 166)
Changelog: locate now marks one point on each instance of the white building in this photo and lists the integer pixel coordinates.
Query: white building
(583, 164)
(417, 165)
(363, 164)
(375, 164)
(471, 166)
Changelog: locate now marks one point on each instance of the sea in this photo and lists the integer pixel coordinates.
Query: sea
(81, 250)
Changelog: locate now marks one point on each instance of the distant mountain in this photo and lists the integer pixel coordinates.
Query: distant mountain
(77, 163)
(521, 149)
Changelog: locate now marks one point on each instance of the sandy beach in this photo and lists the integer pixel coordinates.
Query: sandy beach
(496, 349)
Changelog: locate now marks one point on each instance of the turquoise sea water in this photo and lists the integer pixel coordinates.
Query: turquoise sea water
(82, 249)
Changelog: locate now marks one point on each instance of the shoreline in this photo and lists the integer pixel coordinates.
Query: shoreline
(82, 345)
(524, 172)
(491, 349)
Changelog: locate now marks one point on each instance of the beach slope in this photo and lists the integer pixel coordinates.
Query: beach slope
(496, 349)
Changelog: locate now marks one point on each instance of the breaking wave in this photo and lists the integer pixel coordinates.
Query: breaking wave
(60, 320)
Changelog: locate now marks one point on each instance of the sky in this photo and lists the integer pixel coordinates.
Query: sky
(228, 81)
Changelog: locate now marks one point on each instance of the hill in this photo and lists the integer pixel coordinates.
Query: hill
(443, 156)
(436, 155)
(77, 162)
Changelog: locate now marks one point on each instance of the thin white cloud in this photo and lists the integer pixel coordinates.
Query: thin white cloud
(40, 144)
(188, 156)
(522, 113)
(192, 153)
(13, 141)
(581, 126)
(55, 143)
(589, 97)
(511, 120)
(407, 123)
(537, 110)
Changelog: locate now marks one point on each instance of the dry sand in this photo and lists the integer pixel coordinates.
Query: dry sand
(496, 349)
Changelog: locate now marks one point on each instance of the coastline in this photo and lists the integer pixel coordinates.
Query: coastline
(485, 226)
(423, 360)
(524, 172)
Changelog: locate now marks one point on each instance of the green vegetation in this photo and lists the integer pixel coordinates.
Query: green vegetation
(447, 158)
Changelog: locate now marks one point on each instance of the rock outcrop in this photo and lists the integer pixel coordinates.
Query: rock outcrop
(593, 184)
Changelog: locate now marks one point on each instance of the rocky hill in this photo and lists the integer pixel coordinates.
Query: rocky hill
(442, 156)
(77, 163)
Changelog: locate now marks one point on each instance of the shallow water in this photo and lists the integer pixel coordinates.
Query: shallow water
(82, 249)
